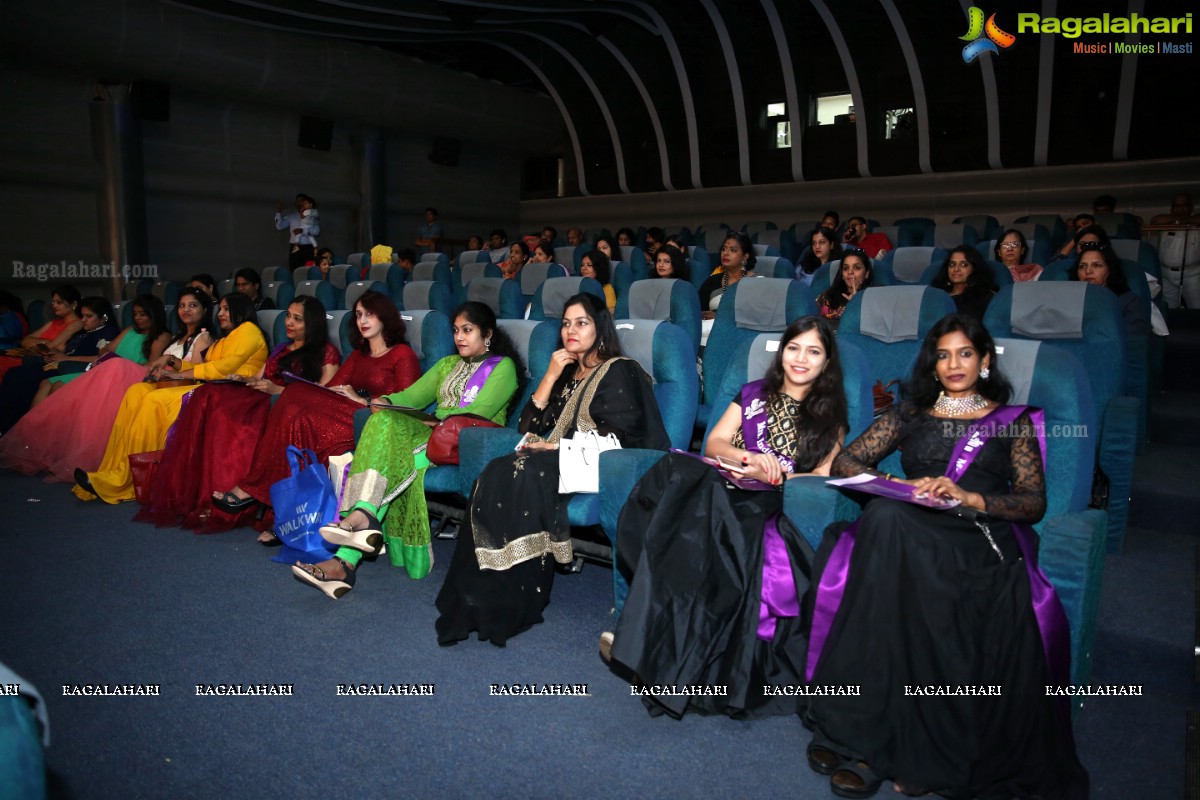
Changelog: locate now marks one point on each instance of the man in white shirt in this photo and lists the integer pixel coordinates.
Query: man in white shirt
(1179, 253)
(303, 227)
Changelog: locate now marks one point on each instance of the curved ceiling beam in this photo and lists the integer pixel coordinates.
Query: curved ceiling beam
(990, 101)
(1126, 90)
(685, 88)
(735, 86)
(655, 122)
(920, 103)
(789, 88)
(843, 51)
(1045, 98)
(395, 12)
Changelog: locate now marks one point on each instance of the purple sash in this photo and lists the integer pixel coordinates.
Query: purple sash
(754, 422)
(1052, 621)
(477, 380)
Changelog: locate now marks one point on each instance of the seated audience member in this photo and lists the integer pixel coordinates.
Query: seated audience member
(54, 335)
(429, 235)
(542, 254)
(707, 558)
(234, 415)
(596, 265)
(914, 596)
(855, 276)
(625, 237)
(205, 282)
(1098, 265)
(474, 243)
(875, 245)
(654, 240)
(13, 325)
(1179, 253)
(308, 417)
(148, 411)
(1104, 204)
(676, 241)
(32, 380)
(737, 262)
(384, 498)
(518, 256)
(70, 427)
(406, 259)
(670, 263)
(823, 247)
(515, 529)
(967, 278)
(497, 247)
(549, 235)
(324, 262)
(247, 282)
(610, 248)
(1079, 225)
(1013, 252)
(831, 220)
(574, 237)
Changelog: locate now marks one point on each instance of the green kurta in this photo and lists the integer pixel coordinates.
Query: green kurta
(390, 456)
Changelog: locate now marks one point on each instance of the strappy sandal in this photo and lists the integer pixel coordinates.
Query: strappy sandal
(854, 779)
(365, 539)
(314, 576)
(822, 758)
(269, 539)
(230, 503)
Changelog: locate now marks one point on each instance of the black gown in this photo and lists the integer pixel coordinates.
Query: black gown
(928, 604)
(516, 521)
(691, 546)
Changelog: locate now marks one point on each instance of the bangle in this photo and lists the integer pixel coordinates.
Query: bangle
(541, 406)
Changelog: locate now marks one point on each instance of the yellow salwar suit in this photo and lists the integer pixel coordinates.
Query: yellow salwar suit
(147, 412)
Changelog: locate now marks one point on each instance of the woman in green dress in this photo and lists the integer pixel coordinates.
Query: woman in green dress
(384, 498)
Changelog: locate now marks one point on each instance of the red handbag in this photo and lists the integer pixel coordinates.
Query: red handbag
(144, 467)
(443, 443)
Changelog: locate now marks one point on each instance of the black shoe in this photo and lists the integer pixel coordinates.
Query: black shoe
(84, 482)
(314, 576)
(230, 503)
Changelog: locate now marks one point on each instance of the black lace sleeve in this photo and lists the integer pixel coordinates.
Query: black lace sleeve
(874, 445)
(1027, 502)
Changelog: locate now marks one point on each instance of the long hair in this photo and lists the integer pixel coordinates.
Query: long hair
(186, 335)
(826, 418)
(308, 360)
(1020, 238)
(612, 245)
(1094, 230)
(628, 232)
(1117, 283)
(810, 263)
(152, 307)
(241, 311)
(100, 307)
(607, 344)
(69, 295)
(746, 247)
(208, 281)
(922, 387)
(679, 265)
(483, 318)
(601, 264)
(981, 281)
(384, 309)
(837, 284)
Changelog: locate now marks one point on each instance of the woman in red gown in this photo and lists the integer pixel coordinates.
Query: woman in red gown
(193, 466)
(322, 420)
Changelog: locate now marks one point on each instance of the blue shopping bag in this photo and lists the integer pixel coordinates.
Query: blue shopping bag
(303, 502)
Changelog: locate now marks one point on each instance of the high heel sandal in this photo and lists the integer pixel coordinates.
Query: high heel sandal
(366, 539)
(314, 576)
(83, 481)
(230, 503)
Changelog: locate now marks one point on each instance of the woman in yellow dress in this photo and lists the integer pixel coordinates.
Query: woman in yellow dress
(148, 411)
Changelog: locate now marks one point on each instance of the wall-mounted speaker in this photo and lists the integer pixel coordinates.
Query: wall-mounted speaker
(316, 133)
(445, 151)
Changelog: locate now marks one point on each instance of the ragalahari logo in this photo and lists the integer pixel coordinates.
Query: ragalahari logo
(996, 38)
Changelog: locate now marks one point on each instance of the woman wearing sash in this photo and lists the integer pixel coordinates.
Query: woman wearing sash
(715, 571)
(516, 527)
(384, 498)
(910, 596)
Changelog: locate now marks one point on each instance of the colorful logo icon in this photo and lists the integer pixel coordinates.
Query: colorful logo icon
(996, 38)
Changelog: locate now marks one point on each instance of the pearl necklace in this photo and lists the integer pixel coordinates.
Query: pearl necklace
(959, 406)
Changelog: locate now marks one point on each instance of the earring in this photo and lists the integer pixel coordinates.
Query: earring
(985, 373)
(487, 344)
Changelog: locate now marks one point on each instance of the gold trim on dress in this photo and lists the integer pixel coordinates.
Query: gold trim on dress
(527, 548)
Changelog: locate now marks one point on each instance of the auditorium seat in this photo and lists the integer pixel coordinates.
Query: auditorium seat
(664, 298)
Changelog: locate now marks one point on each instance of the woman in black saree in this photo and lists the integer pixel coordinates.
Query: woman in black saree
(941, 617)
(516, 526)
(715, 571)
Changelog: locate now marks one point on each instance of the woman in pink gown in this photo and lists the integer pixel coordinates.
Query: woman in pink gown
(70, 428)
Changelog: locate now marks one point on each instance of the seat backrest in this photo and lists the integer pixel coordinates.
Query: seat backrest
(1053, 223)
(320, 290)
(761, 250)
(773, 237)
(360, 260)
(1119, 226)
(532, 276)
(225, 287)
(889, 323)
(775, 267)
(908, 264)
(428, 295)
(949, 235)
(753, 229)
(301, 274)
(535, 341)
(1083, 319)
(664, 298)
(476, 269)
(275, 274)
(339, 275)
(432, 271)
(335, 324)
(391, 275)
(35, 312)
(281, 293)
(167, 291)
(266, 321)
(987, 226)
(749, 307)
(1037, 236)
(698, 254)
(502, 296)
(429, 334)
(665, 352)
(552, 295)
(914, 232)
(472, 256)
(823, 276)
(566, 257)
(123, 313)
(441, 258)
(713, 238)
(359, 288)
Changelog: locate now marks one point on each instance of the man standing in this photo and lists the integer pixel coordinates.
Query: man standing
(1179, 253)
(875, 245)
(303, 227)
(429, 235)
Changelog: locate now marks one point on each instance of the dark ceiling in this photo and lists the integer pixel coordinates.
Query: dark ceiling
(672, 94)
